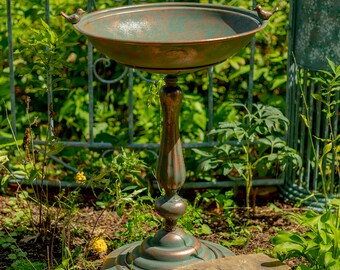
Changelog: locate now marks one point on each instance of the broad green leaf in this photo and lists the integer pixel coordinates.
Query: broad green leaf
(273, 157)
(12, 256)
(325, 248)
(266, 141)
(328, 259)
(327, 148)
(227, 170)
(226, 148)
(202, 153)
(325, 217)
(33, 175)
(200, 120)
(281, 238)
(56, 148)
(297, 239)
(319, 98)
(205, 229)
(331, 64)
(4, 180)
(311, 246)
(337, 137)
(207, 165)
(335, 202)
(322, 233)
(278, 82)
(20, 175)
(3, 159)
(289, 247)
(239, 167)
(240, 241)
(335, 266)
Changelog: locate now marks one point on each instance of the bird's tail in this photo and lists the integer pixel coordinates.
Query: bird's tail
(63, 14)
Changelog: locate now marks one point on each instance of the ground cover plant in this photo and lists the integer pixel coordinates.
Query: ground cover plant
(320, 245)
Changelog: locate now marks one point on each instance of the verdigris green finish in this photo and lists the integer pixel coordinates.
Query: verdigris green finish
(170, 247)
(317, 33)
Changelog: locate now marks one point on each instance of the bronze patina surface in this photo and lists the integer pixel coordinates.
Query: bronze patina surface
(170, 247)
(170, 38)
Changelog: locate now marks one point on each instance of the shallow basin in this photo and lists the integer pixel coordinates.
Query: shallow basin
(172, 37)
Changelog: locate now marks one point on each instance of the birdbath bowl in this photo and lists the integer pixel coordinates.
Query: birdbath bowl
(170, 38)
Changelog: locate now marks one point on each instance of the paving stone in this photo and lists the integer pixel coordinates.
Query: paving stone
(239, 262)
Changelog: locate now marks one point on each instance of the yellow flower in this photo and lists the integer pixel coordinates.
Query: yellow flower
(99, 245)
(80, 178)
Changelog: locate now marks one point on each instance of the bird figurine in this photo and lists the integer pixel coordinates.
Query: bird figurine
(265, 15)
(74, 18)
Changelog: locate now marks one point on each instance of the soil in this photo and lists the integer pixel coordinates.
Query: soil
(89, 221)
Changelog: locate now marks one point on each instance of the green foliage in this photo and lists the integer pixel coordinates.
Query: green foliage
(257, 145)
(44, 48)
(192, 221)
(141, 221)
(123, 168)
(320, 246)
(327, 160)
(15, 229)
(224, 201)
(67, 65)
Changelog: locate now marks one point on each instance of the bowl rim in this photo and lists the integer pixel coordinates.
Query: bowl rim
(96, 15)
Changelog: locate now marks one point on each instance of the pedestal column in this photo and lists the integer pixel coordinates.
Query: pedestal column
(170, 247)
(171, 168)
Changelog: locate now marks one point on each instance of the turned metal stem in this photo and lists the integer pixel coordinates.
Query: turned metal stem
(170, 247)
(171, 168)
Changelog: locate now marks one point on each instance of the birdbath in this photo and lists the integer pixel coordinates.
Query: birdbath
(169, 38)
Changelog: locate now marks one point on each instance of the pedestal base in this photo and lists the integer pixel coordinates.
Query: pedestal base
(165, 250)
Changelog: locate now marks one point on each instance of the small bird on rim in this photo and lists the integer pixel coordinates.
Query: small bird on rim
(265, 15)
(74, 18)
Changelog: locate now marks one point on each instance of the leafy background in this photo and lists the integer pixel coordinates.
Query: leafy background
(111, 100)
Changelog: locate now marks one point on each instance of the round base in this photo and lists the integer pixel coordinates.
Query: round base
(165, 250)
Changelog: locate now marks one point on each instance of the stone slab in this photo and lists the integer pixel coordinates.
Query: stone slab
(239, 262)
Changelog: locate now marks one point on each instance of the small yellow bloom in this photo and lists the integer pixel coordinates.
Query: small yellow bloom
(80, 178)
(99, 245)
